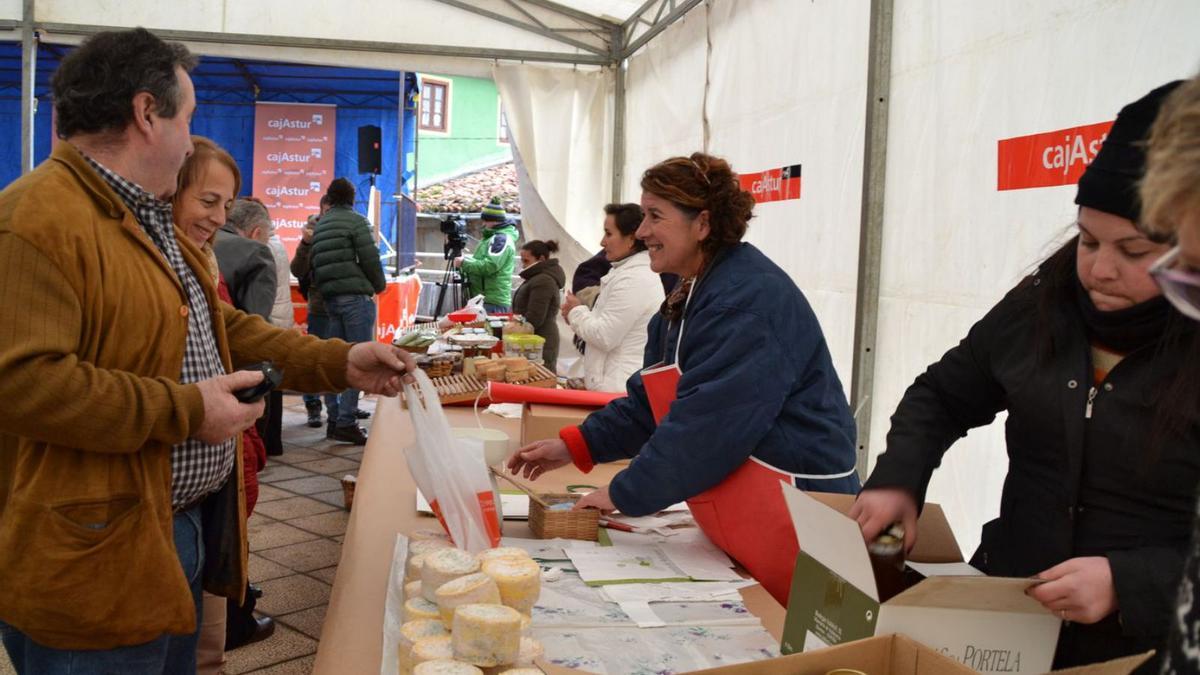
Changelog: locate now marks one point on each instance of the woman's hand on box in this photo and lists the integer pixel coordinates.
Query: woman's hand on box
(1079, 590)
(877, 509)
(538, 457)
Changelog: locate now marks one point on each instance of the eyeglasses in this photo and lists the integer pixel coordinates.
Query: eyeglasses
(1181, 287)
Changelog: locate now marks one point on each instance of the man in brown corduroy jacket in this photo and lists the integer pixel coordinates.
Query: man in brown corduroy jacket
(120, 478)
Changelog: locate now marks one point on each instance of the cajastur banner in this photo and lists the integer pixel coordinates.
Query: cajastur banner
(773, 185)
(294, 146)
(1048, 159)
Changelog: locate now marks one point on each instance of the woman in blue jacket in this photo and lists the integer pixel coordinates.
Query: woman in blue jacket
(739, 394)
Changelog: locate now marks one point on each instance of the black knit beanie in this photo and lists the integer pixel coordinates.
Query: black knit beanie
(1110, 183)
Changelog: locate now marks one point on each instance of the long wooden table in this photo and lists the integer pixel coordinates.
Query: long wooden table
(385, 505)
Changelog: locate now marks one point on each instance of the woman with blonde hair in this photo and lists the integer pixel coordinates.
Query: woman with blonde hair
(208, 183)
(1170, 195)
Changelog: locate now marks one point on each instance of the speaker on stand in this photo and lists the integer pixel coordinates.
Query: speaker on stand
(370, 151)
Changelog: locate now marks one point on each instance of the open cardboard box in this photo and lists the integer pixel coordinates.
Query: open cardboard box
(541, 421)
(882, 655)
(986, 623)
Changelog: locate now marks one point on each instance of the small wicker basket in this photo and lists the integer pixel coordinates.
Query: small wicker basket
(549, 524)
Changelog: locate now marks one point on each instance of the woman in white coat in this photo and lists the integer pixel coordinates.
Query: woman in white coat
(630, 294)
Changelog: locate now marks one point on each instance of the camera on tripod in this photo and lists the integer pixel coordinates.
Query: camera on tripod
(455, 229)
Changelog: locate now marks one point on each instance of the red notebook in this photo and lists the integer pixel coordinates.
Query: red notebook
(661, 384)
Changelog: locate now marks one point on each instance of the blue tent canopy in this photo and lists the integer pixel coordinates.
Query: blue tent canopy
(226, 91)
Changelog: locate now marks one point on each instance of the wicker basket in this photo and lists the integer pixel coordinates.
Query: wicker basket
(547, 524)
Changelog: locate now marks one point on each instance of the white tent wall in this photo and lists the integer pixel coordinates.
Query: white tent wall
(788, 86)
(965, 75)
(664, 101)
(560, 120)
(10, 10)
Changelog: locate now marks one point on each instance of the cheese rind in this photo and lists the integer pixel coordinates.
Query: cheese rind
(446, 667)
(412, 568)
(442, 565)
(486, 635)
(412, 590)
(530, 649)
(413, 631)
(420, 608)
(432, 649)
(519, 581)
(502, 552)
(475, 588)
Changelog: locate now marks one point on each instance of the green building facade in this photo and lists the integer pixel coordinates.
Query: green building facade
(460, 128)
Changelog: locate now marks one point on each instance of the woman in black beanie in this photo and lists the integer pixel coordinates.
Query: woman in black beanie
(1099, 377)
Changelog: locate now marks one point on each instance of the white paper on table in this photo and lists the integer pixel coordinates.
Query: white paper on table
(699, 559)
(512, 411)
(393, 610)
(643, 522)
(542, 549)
(690, 591)
(957, 569)
(623, 564)
(641, 614)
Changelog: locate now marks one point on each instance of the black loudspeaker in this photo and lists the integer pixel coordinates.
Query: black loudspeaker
(370, 154)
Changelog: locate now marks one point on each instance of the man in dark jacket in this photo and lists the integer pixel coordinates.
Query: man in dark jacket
(348, 273)
(246, 264)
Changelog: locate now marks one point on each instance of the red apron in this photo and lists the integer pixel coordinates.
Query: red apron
(745, 514)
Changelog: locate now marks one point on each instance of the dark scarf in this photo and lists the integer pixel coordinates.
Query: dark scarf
(1123, 330)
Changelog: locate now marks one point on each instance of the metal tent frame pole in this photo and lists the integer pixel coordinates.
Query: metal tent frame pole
(28, 83)
(870, 238)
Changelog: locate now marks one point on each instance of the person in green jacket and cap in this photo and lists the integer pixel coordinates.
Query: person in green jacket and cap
(489, 269)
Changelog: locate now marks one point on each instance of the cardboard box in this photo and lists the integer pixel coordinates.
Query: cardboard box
(540, 421)
(883, 655)
(986, 623)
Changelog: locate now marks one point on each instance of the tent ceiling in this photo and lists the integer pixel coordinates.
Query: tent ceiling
(237, 81)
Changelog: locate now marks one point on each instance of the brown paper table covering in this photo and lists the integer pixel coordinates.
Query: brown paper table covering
(385, 505)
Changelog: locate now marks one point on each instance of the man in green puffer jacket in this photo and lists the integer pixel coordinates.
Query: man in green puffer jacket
(348, 274)
(489, 269)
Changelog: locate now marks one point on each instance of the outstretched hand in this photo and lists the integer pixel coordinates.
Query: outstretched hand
(377, 368)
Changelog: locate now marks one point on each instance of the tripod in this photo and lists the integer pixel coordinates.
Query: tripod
(452, 281)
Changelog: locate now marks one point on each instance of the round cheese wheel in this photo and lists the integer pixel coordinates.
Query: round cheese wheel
(432, 649)
(413, 631)
(443, 565)
(446, 667)
(519, 581)
(420, 608)
(412, 590)
(502, 552)
(486, 635)
(412, 568)
(473, 588)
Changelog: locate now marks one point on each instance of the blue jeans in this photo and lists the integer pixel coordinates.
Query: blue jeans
(318, 325)
(496, 309)
(351, 318)
(166, 655)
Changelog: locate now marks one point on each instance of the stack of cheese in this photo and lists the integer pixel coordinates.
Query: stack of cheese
(463, 611)
(508, 369)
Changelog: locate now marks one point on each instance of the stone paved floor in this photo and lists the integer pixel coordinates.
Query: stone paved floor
(296, 536)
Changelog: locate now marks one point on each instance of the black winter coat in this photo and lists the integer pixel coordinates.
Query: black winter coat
(345, 257)
(1076, 486)
(537, 299)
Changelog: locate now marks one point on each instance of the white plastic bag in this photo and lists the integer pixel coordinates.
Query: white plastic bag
(450, 472)
(475, 304)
